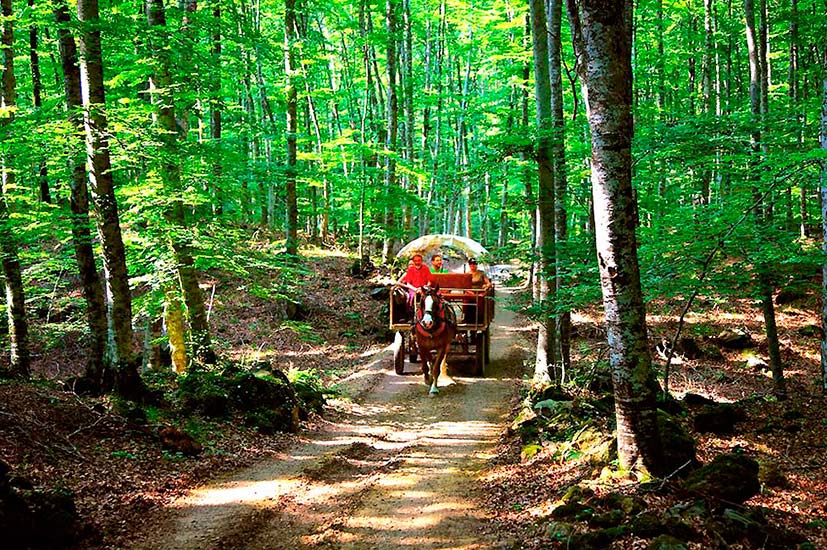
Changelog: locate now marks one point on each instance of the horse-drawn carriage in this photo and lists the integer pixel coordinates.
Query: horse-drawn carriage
(472, 308)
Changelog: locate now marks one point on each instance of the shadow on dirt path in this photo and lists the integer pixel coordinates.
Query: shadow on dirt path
(393, 469)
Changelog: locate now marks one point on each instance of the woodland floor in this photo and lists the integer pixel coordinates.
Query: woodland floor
(121, 478)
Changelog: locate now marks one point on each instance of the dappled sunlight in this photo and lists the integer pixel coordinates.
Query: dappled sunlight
(249, 493)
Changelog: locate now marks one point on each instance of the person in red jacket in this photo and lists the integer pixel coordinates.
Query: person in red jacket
(417, 276)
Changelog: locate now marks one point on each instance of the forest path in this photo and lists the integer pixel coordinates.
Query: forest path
(394, 469)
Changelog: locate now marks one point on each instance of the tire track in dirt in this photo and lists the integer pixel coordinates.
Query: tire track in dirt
(394, 469)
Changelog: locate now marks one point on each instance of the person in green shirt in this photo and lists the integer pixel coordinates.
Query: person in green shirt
(436, 264)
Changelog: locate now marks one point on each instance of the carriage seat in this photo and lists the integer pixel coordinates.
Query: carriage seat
(452, 280)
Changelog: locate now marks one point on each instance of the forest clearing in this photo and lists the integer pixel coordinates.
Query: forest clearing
(216, 324)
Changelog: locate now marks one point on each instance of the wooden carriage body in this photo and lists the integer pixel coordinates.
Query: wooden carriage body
(474, 309)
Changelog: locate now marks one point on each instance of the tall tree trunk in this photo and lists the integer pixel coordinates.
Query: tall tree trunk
(796, 107)
(15, 297)
(291, 68)
(37, 100)
(127, 381)
(823, 137)
(79, 204)
(604, 49)
(762, 276)
(407, 72)
(171, 175)
(531, 204)
(391, 10)
(545, 364)
(216, 108)
(558, 147)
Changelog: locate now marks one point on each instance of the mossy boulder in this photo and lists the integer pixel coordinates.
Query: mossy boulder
(770, 474)
(678, 446)
(204, 392)
(550, 392)
(268, 397)
(559, 530)
(667, 542)
(526, 426)
(596, 446)
(573, 509)
(630, 505)
(32, 518)
(651, 524)
(599, 539)
(609, 518)
(577, 493)
(729, 477)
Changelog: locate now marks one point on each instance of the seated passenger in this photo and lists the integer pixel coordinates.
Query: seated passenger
(417, 276)
(436, 264)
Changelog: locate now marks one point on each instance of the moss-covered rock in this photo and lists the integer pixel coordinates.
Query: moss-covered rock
(267, 398)
(678, 446)
(204, 392)
(559, 530)
(550, 392)
(770, 474)
(573, 509)
(32, 518)
(576, 493)
(598, 540)
(729, 477)
(667, 542)
(597, 446)
(526, 426)
(609, 518)
(630, 505)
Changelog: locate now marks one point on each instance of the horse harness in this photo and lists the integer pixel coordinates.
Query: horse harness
(440, 314)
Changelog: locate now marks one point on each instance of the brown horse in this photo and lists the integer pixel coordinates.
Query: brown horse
(435, 329)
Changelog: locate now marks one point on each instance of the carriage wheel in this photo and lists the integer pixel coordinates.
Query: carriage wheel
(487, 348)
(399, 354)
(480, 346)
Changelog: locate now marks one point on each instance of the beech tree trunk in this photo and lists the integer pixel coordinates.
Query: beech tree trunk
(545, 365)
(291, 68)
(127, 381)
(79, 204)
(15, 297)
(216, 108)
(391, 10)
(824, 213)
(758, 108)
(604, 49)
(171, 174)
(558, 147)
(37, 100)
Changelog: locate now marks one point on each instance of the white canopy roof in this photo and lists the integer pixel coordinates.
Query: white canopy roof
(428, 244)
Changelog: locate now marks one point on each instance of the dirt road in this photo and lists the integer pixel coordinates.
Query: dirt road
(394, 468)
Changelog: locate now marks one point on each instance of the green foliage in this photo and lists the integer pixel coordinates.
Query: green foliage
(124, 454)
(257, 396)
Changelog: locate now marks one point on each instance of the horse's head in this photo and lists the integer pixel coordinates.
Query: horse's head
(430, 307)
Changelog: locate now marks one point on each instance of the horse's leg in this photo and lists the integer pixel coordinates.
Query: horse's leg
(427, 360)
(435, 368)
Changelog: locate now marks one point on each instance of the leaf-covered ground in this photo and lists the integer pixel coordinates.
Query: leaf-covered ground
(791, 434)
(117, 469)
